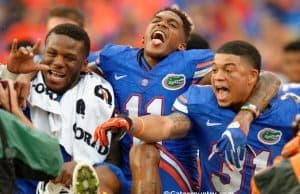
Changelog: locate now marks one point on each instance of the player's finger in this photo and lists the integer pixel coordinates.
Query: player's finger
(68, 182)
(24, 51)
(40, 67)
(29, 49)
(103, 138)
(227, 163)
(96, 133)
(14, 46)
(22, 93)
(13, 95)
(235, 159)
(241, 153)
(66, 179)
(36, 46)
(230, 157)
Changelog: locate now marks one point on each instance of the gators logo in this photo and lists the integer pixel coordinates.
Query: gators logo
(173, 81)
(269, 136)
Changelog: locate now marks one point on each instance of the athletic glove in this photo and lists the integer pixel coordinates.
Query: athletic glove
(232, 146)
(117, 124)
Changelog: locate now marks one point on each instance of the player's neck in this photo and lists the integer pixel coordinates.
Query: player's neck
(151, 60)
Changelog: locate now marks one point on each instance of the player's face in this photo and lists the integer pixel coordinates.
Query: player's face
(65, 57)
(164, 35)
(291, 66)
(232, 79)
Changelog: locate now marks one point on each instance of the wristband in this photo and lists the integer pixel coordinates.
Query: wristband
(137, 131)
(252, 108)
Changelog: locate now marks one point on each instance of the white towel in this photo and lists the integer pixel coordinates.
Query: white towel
(74, 117)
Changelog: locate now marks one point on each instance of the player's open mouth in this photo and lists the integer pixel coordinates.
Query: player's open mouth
(56, 74)
(158, 37)
(221, 92)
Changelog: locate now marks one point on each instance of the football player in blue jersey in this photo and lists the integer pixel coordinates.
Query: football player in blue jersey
(235, 74)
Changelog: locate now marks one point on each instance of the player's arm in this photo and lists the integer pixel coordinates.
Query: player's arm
(206, 80)
(266, 88)
(150, 128)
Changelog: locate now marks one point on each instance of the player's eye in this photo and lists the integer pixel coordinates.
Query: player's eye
(173, 25)
(229, 70)
(70, 58)
(155, 20)
(214, 70)
(51, 54)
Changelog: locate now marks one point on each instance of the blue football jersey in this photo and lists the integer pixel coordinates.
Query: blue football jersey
(290, 88)
(141, 92)
(267, 136)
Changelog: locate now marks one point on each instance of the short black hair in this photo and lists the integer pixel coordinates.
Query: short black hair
(196, 41)
(243, 49)
(292, 46)
(73, 31)
(186, 19)
(69, 13)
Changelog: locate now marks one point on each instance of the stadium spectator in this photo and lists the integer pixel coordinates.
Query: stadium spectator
(291, 61)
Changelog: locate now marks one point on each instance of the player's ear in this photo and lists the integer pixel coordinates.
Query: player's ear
(181, 46)
(84, 67)
(253, 76)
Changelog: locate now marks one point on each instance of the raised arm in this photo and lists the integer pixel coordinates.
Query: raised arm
(150, 128)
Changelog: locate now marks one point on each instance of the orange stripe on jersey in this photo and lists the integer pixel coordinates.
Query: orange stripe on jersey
(174, 174)
(295, 161)
(204, 64)
(182, 99)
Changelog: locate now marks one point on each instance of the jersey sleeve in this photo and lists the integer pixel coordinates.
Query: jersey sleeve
(290, 88)
(103, 57)
(181, 103)
(199, 60)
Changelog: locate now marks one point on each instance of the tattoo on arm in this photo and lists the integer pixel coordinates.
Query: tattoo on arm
(180, 125)
(266, 88)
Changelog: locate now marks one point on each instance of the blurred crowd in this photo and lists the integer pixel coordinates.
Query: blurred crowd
(269, 24)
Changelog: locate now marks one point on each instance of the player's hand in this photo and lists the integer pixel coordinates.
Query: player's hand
(232, 146)
(4, 95)
(66, 175)
(21, 60)
(116, 124)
